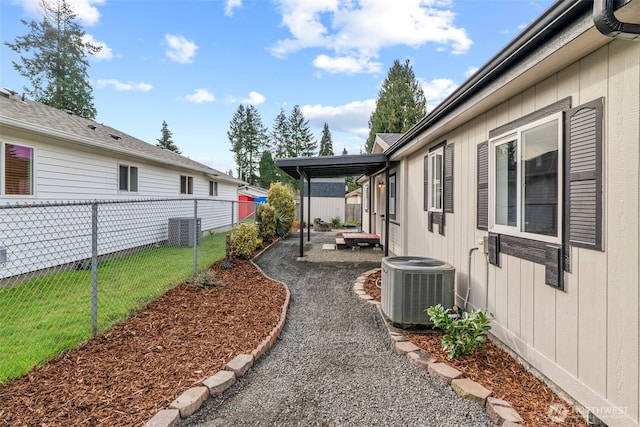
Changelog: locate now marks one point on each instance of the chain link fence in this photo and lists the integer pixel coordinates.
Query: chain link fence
(69, 271)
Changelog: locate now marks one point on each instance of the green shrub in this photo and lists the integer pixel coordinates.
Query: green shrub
(281, 198)
(243, 240)
(463, 334)
(336, 221)
(266, 220)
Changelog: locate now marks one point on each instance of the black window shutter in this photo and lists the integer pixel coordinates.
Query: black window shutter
(426, 183)
(482, 210)
(448, 178)
(583, 172)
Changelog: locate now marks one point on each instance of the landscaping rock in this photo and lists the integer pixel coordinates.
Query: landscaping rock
(500, 411)
(444, 372)
(471, 390)
(190, 401)
(164, 418)
(420, 359)
(219, 382)
(240, 364)
(404, 347)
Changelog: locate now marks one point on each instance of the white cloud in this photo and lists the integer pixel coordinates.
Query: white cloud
(254, 98)
(471, 71)
(104, 53)
(180, 49)
(346, 64)
(230, 5)
(356, 30)
(200, 96)
(350, 118)
(437, 90)
(128, 86)
(85, 10)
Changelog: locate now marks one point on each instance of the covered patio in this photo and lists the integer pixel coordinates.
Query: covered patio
(307, 168)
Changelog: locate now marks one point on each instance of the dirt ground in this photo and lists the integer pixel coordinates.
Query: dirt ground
(123, 377)
(496, 370)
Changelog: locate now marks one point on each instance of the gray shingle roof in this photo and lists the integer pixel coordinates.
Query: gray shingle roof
(37, 117)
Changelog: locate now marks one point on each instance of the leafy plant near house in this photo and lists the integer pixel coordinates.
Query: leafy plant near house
(336, 221)
(281, 198)
(266, 221)
(462, 335)
(243, 240)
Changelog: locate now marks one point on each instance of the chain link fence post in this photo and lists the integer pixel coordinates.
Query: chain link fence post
(195, 237)
(94, 268)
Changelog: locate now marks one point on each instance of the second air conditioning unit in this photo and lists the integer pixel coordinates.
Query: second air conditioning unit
(412, 284)
(181, 232)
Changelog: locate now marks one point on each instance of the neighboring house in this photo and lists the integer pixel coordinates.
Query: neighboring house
(536, 158)
(249, 196)
(327, 199)
(49, 155)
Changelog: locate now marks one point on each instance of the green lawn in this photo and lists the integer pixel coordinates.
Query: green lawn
(45, 316)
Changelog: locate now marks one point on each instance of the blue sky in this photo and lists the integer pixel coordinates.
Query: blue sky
(192, 62)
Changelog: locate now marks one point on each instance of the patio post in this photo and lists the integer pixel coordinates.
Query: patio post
(309, 208)
(301, 227)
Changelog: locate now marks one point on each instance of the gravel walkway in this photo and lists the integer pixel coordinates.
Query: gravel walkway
(334, 364)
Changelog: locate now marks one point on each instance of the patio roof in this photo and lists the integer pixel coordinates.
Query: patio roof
(307, 168)
(332, 166)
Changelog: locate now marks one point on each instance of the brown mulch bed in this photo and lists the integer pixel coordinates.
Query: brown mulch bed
(125, 376)
(496, 370)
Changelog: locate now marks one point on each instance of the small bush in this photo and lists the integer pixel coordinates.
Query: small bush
(226, 265)
(206, 279)
(463, 335)
(243, 240)
(266, 221)
(281, 198)
(336, 221)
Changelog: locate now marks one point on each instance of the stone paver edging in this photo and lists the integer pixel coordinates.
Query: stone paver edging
(191, 400)
(500, 412)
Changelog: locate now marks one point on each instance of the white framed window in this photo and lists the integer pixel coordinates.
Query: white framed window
(435, 179)
(186, 184)
(525, 181)
(16, 163)
(213, 188)
(127, 178)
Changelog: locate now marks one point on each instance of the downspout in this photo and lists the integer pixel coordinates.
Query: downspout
(386, 210)
(607, 23)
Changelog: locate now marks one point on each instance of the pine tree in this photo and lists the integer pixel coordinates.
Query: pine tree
(326, 144)
(280, 135)
(248, 137)
(301, 139)
(268, 170)
(401, 103)
(54, 59)
(165, 141)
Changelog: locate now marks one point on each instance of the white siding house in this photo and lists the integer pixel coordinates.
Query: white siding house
(49, 156)
(538, 155)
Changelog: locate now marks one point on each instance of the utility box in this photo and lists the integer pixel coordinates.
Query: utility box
(181, 232)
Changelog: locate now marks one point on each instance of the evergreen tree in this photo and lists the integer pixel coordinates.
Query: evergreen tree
(248, 137)
(326, 144)
(56, 60)
(268, 170)
(301, 143)
(401, 103)
(280, 135)
(165, 141)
